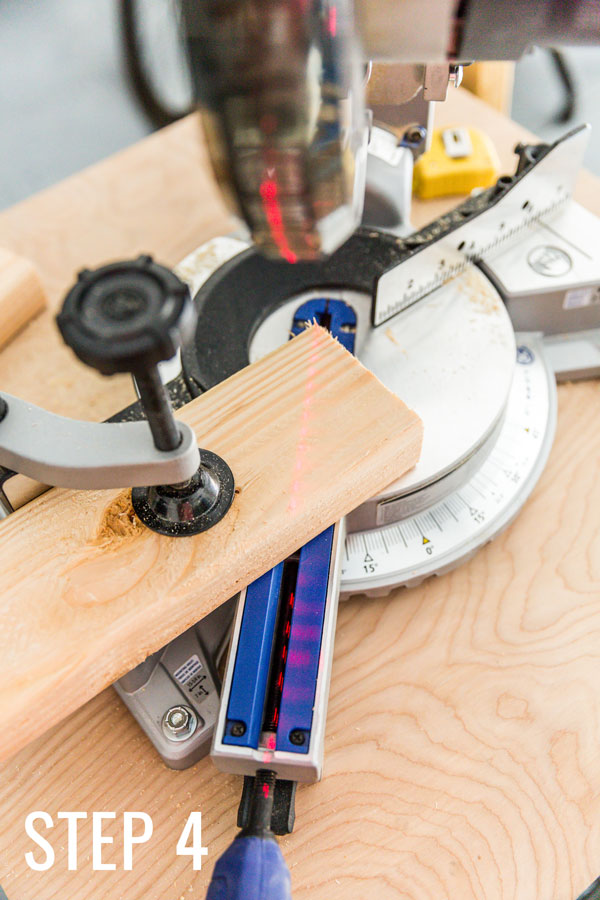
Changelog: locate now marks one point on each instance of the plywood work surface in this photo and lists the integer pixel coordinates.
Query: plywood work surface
(462, 754)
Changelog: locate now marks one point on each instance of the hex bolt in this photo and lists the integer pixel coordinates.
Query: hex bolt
(415, 135)
(297, 737)
(178, 723)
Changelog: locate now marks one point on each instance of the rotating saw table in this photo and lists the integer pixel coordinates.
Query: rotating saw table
(462, 745)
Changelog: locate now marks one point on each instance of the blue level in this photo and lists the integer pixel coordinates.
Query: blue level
(274, 680)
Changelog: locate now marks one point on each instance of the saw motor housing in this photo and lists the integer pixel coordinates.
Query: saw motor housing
(282, 89)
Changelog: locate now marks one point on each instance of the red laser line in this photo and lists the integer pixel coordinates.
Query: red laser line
(270, 199)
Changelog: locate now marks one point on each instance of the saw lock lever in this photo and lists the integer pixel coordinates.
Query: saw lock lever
(128, 317)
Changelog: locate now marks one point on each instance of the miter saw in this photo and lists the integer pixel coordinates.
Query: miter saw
(282, 89)
(510, 280)
(470, 320)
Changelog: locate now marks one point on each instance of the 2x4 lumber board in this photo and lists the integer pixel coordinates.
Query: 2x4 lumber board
(21, 294)
(493, 82)
(87, 592)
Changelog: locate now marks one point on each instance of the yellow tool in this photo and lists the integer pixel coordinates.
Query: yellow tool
(459, 160)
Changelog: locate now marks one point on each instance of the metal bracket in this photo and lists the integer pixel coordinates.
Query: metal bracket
(182, 677)
(91, 455)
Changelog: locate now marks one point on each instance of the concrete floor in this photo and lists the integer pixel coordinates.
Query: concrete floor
(538, 96)
(65, 101)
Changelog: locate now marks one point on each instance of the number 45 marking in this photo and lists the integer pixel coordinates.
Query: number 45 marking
(192, 827)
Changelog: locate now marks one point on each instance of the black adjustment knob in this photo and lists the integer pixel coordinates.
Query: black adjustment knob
(127, 317)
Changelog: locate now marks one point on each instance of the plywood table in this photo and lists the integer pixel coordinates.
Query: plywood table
(462, 756)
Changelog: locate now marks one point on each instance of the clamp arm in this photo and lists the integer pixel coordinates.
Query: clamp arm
(75, 454)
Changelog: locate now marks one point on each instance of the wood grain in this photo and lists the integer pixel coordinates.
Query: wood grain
(462, 752)
(21, 294)
(308, 433)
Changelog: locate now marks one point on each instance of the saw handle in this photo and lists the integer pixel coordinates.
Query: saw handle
(253, 867)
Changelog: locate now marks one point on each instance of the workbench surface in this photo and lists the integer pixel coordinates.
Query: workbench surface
(462, 755)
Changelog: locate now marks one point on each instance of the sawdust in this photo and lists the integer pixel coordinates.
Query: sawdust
(118, 521)
(114, 561)
(480, 293)
(484, 303)
(392, 337)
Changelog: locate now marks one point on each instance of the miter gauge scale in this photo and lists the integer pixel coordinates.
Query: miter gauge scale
(488, 427)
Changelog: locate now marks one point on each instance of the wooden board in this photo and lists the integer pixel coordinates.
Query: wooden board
(492, 82)
(309, 434)
(462, 751)
(21, 294)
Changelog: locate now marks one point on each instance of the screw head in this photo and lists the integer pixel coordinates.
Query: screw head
(415, 135)
(297, 737)
(3, 408)
(238, 729)
(179, 722)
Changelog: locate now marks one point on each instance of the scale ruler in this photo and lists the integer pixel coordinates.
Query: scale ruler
(448, 533)
(480, 226)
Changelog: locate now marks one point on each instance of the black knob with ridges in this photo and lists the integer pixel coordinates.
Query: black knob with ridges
(127, 317)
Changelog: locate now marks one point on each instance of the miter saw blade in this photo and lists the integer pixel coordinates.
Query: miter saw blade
(487, 402)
